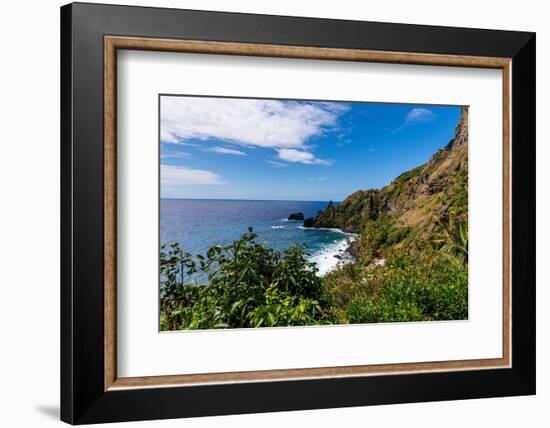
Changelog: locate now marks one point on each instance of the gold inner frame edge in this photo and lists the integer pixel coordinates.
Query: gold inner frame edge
(113, 43)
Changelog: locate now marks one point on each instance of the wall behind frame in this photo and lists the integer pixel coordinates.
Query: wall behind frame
(29, 173)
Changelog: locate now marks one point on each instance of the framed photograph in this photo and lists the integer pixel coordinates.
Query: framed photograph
(265, 213)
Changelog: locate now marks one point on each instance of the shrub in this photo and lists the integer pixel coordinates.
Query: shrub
(425, 286)
(374, 236)
(250, 285)
(397, 235)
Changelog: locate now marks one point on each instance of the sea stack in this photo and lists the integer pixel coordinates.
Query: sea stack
(309, 222)
(296, 216)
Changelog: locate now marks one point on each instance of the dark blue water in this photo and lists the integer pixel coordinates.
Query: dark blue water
(198, 224)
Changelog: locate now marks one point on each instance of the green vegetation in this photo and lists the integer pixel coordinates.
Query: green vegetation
(403, 272)
(404, 178)
(411, 261)
(422, 286)
(250, 285)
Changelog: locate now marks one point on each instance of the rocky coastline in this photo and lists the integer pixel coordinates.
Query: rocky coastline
(416, 205)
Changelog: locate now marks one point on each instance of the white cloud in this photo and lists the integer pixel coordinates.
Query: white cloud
(173, 176)
(247, 122)
(277, 164)
(299, 156)
(183, 143)
(226, 151)
(419, 114)
(414, 116)
(175, 155)
(344, 142)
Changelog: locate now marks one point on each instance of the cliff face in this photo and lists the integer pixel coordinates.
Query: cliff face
(418, 200)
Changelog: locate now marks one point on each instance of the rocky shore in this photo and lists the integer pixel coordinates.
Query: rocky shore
(417, 205)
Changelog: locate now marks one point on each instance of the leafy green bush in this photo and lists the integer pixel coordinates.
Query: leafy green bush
(374, 236)
(425, 286)
(250, 285)
(284, 309)
(397, 235)
(458, 199)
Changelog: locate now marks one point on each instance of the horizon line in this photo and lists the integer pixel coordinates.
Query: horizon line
(258, 200)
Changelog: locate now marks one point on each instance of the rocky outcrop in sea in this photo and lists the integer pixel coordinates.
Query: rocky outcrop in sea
(296, 216)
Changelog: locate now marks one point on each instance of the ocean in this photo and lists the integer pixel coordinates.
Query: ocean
(198, 224)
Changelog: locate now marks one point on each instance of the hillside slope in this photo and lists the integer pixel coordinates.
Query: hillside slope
(427, 203)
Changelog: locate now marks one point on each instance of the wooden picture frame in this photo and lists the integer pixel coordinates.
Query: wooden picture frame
(91, 390)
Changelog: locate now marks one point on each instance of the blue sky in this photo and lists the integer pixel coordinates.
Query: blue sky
(229, 148)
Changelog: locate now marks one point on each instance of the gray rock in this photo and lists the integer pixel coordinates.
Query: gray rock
(296, 216)
(309, 222)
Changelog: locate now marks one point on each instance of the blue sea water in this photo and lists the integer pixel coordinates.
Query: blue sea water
(198, 224)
